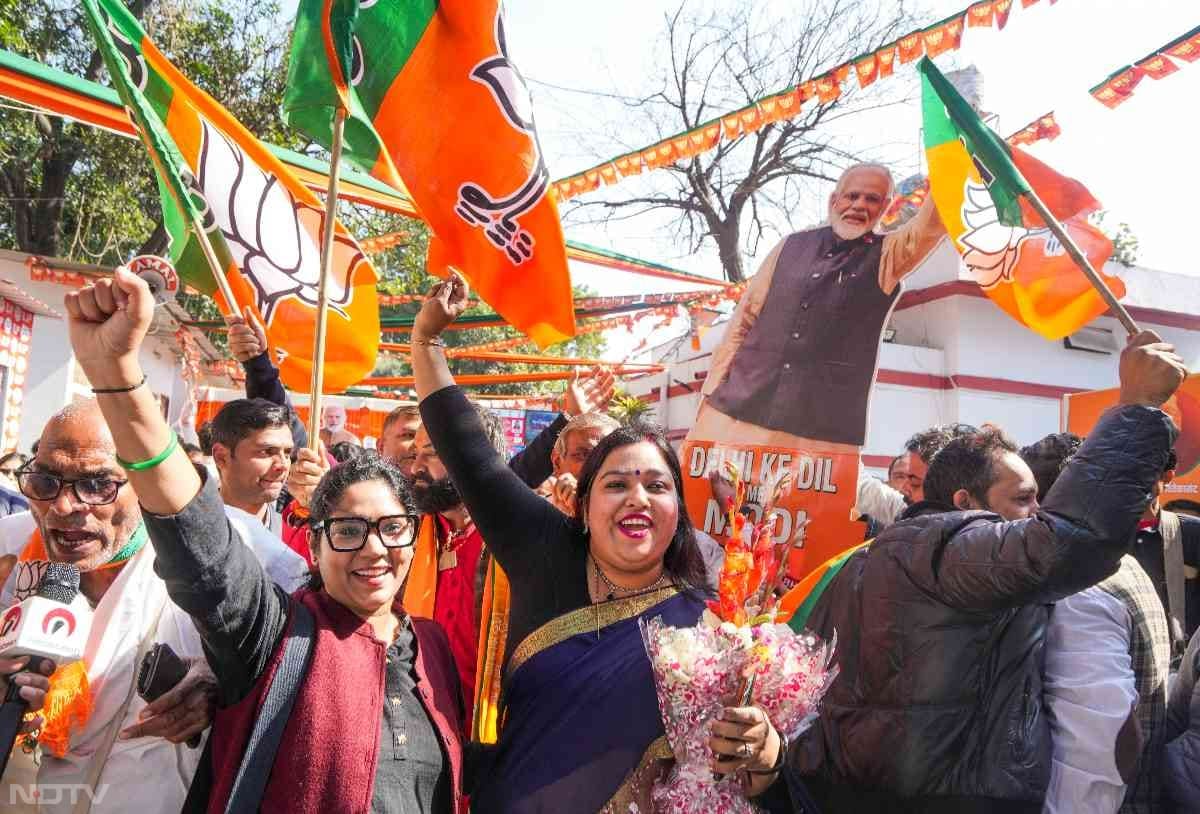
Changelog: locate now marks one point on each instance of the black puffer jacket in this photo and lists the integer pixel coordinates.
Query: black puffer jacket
(941, 623)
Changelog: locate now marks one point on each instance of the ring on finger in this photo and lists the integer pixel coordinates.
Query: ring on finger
(744, 750)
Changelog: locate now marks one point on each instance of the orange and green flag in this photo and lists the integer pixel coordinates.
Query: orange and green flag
(263, 224)
(979, 185)
(435, 107)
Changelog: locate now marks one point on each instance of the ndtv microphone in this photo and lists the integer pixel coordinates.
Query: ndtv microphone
(52, 624)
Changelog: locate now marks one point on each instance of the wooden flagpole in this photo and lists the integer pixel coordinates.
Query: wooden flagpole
(213, 263)
(1084, 264)
(318, 369)
(197, 227)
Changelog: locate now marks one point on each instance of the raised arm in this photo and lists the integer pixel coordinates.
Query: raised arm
(209, 573)
(248, 344)
(510, 516)
(588, 393)
(907, 247)
(1090, 514)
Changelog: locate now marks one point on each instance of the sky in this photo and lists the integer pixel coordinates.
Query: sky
(1139, 160)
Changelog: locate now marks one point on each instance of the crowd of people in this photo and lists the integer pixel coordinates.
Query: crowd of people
(435, 626)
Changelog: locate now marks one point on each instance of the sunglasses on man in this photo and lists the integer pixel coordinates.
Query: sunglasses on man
(98, 490)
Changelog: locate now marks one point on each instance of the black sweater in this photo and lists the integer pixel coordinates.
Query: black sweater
(543, 552)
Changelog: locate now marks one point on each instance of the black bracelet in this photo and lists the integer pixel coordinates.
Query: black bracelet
(102, 390)
(779, 759)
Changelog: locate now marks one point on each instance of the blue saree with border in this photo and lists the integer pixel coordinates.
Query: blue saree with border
(582, 730)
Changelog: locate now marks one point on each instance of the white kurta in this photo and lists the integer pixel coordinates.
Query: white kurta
(1090, 689)
(144, 775)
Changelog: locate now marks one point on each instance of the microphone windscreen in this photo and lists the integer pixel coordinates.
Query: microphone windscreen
(60, 583)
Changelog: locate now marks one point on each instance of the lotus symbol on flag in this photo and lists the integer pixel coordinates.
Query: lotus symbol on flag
(498, 216)
(271, 235)
(992, 249)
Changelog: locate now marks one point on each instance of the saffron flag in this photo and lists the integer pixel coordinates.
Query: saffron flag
(263, 224)
(978, 184)
(433, 102)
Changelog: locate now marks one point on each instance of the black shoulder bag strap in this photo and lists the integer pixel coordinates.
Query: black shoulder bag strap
(259, 757)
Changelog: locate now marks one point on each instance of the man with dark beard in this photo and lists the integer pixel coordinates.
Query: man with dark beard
(450, 561)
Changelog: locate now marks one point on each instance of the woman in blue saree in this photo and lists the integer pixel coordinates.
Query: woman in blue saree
(581, 728)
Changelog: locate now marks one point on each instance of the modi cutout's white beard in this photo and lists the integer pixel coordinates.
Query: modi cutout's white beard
(848, 231)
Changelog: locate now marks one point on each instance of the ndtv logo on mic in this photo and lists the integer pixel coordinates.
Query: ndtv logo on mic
(12, 618)
(59, 622)
(55, 793)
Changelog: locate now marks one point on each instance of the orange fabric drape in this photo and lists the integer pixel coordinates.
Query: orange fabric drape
(68, 703)
(421, 588)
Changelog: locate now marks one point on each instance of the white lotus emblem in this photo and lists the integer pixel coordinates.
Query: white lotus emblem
(269, 233)
(992, 248)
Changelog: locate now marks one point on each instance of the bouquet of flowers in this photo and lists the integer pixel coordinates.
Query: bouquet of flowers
(736, 656)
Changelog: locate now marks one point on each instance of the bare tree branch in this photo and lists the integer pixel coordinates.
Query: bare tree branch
(718, 61)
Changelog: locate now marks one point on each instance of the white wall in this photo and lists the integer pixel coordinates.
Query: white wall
(50, 383)
(47, 379)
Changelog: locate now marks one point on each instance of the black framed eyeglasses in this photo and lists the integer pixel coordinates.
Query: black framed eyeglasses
(92, 491)
(350, 533)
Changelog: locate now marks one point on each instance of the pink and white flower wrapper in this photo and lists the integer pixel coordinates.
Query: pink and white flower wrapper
(698, 669)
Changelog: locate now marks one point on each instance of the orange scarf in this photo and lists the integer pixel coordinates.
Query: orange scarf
(420, 588)
(69, 701)
(493, 636)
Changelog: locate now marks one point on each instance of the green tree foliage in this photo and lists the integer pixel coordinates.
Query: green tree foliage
(1125, 242)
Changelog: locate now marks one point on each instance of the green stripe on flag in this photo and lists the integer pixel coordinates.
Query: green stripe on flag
(148, 95)
(947, 115)
(121, 59)
(800, 617)
(372, 44)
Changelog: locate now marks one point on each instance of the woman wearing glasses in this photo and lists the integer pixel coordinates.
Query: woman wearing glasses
(376, 721)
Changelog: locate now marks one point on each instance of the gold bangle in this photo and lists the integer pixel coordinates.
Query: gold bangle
(436, 342)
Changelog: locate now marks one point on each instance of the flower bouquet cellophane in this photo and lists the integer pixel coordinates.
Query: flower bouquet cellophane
(737, 655)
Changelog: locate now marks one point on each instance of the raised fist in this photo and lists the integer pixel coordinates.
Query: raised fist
(107, 322)
(1151, 371)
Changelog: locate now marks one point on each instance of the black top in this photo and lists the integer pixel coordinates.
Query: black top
(1148, 550)
(241, 615)
(543, 552)
(412, 773)
(262, 382)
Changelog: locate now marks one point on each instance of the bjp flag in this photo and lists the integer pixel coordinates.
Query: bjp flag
(979, 185)
(263, 224)
(434, 105)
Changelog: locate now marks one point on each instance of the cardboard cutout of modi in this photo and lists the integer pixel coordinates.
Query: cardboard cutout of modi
(790, 382)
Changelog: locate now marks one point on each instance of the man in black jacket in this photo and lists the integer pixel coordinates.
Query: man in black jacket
(941, 621)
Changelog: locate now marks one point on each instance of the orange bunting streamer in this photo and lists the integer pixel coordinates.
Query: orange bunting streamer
(933, 40)
(867, 70)
(981, 15)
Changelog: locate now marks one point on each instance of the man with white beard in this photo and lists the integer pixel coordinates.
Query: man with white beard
(799, 355)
